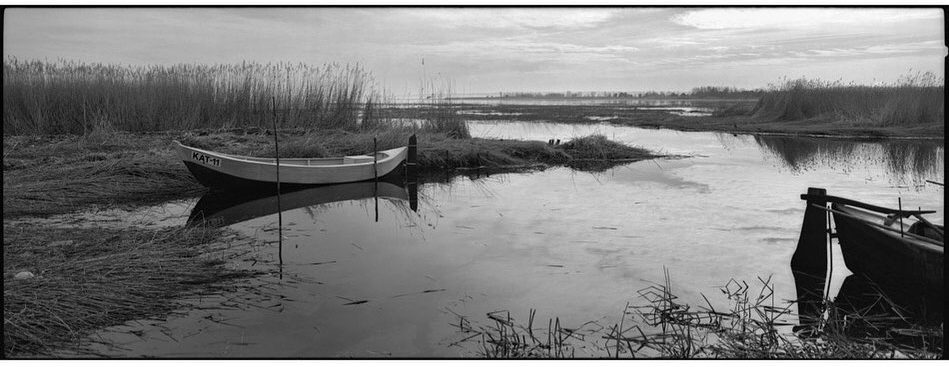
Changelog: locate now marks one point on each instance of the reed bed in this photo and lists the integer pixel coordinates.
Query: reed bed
(914, 99)
(74, 98)
(86, 279)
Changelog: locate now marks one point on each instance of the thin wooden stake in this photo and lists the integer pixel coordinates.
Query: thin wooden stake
(830, 259)
(899, 202)
(276, 148)
(375, 176)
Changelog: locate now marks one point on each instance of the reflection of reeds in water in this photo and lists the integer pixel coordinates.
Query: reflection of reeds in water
(729, 140)
(904, 161)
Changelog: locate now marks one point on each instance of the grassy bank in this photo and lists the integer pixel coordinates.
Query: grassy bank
(731, 117)
(912, 107)
(46, 175)
(86, 279)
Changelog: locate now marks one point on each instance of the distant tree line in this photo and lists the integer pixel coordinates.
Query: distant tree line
(710, 92)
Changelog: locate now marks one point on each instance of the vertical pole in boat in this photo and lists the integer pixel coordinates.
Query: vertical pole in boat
(375, 176)
(276, 148)
(899, 201)
(411, 172)
(811, 253)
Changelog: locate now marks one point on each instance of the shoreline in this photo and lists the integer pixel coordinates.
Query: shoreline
(733, 123)
(801, 128)
(66, 176)
(60, 174)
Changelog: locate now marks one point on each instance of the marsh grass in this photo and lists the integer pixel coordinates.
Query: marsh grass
(439, 113)
(51, 175)
(44, 175)
(86, 279)
(659, 325)
(914, 99)
(437, 150)
(76, 98)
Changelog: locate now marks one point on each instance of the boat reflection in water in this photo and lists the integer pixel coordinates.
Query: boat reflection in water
(225, 207)
(900, 314)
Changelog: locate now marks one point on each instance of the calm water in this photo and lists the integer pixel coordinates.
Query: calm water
(570, 244)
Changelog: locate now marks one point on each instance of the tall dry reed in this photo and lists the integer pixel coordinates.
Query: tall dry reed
(73, 97)
(914, 99)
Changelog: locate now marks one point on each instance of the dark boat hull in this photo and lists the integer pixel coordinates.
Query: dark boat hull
(885, 256)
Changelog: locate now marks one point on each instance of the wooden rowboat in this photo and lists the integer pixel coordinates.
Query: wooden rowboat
(887, 249)
(895, 249)
(215, 169)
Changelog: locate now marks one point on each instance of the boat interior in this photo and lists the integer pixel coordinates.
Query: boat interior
(910, 225)
(350, 159)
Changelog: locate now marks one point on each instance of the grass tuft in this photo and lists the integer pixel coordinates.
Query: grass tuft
(86, 279)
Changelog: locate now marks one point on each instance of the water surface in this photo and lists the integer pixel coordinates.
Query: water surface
(570, 244)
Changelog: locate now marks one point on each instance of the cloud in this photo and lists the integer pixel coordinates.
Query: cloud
(799, 18)
(512, 17)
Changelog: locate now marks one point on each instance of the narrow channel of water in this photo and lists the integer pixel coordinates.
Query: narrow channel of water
(570, 244)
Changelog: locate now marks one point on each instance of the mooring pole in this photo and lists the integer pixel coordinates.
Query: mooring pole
(411, 159)
(375, 176)
(809, 262)
(413, 195)
(811, 252)
(276, 148)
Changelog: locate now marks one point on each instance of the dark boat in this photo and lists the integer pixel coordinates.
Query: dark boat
(887, 249)
(888, 245)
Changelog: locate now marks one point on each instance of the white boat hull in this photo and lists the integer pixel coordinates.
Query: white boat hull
(214, 169)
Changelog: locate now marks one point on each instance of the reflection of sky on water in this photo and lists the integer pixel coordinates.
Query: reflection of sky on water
(570, 244)
(896, 162)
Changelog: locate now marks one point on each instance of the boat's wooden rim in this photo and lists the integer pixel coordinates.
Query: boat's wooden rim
(866, 216)
(288, 162)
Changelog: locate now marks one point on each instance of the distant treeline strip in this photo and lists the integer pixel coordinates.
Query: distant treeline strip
(708, 92)
(71, 97)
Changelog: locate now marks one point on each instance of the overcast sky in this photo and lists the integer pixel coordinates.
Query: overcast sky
(506, 49)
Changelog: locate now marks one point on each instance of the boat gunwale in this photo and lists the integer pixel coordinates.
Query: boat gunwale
(860, 216)
(390, 154)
